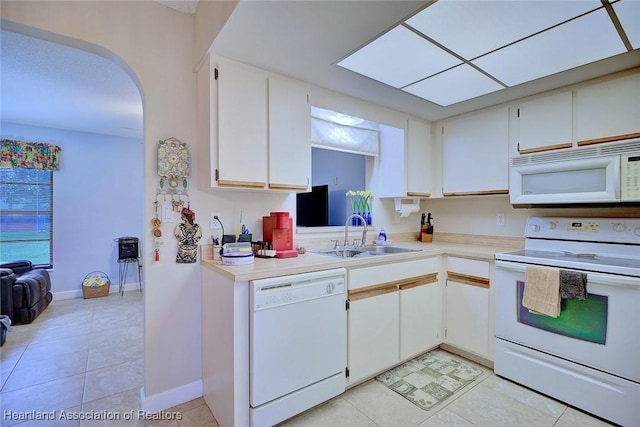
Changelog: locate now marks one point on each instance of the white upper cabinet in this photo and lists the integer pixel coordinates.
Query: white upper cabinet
(242, 125)
(392, 162)
(418, 159)
(405, 170)
(289, 135)
(545, 123)
(475, 154)
(254, 128)
(608, 111)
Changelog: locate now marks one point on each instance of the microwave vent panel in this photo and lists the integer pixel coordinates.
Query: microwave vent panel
(628, 147)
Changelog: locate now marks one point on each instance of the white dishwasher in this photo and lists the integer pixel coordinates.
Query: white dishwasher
(298, 343)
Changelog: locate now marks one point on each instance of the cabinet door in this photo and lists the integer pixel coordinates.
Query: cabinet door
(420, 319)
(608, 111)
(545, 123)
(418, 159)
(289, 135)
(242, 125)
(475, 154)
(373, 335)
(467, 317)
(392, 177)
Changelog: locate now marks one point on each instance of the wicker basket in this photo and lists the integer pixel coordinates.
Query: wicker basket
(95, 284)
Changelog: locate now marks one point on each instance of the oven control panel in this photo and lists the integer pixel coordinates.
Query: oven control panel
(610, 230)
(583, 226)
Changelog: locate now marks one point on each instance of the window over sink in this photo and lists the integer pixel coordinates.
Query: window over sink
(343, 149)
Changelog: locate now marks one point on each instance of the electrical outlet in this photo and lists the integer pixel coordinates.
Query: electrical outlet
(500, 219)
(214, 224)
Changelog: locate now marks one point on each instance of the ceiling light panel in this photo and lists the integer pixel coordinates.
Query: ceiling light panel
(398, 58)
(473, 28)
(628, 13)
(454, 85)
(587, 39)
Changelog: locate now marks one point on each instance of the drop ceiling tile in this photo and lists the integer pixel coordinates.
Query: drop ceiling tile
(473, 28)
(579, 42)
(454, 85)
(628, 13)
(399, 57)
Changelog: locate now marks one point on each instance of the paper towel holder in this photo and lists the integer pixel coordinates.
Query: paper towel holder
(401, 202)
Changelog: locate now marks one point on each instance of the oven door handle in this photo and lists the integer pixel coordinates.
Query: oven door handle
(614, 280)
(513, 266)
(594, 278)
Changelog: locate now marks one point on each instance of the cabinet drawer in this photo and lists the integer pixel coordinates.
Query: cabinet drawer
(468, 267)
(385, 273)
(468, 271)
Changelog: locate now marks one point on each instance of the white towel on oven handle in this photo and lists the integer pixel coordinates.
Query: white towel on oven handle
(542, 290)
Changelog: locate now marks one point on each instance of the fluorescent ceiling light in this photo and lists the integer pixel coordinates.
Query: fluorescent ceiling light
(455, 85)
(628, 13)
(398, 58)
(579, 42)
(473, 28)
(437, 53)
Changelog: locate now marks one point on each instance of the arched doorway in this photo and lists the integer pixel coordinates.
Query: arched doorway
(88, 101)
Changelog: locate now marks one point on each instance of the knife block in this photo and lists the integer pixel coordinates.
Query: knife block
(424, 237)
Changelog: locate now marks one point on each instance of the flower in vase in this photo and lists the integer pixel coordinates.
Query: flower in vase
(365, 198)
(355, 200)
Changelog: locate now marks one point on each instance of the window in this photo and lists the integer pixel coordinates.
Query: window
(26, 215)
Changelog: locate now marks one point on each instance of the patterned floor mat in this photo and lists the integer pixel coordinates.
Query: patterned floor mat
(430, 378)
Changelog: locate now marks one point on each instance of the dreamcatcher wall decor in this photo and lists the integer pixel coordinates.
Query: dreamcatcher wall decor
(173, 163)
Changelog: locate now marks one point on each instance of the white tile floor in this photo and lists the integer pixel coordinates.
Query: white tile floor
(86, 357)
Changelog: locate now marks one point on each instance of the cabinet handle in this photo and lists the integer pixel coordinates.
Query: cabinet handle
(414, 282)
(477, 193)
(388, 287)
(545, 148)
(414, 194)
(372, 291)
(287, 187)
(247, 184)
(608, 139)
(467, 279)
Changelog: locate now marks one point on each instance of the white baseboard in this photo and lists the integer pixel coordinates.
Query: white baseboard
(170, 398)
(78, 292)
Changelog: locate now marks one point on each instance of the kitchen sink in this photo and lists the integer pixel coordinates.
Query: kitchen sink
(382, 250)
(363, 251)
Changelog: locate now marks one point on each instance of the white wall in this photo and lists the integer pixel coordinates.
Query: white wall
(96, 198)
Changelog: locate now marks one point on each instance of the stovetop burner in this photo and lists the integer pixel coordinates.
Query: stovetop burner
(606, 245)
(583, 261)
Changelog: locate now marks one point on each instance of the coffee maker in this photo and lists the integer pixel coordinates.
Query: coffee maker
(277, 230)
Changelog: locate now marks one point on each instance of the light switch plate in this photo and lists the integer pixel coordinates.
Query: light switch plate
(167, 213)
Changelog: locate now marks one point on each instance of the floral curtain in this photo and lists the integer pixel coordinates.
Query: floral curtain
(29, 155)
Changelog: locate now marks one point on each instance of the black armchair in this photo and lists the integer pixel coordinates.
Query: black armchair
(26, 291)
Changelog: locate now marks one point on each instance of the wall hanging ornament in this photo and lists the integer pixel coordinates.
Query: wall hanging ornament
(188, 234)
(173, 163)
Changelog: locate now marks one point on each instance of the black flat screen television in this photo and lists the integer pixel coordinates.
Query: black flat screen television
(312, 208)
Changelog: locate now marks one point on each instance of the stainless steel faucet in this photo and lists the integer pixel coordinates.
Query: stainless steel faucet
(346, 229)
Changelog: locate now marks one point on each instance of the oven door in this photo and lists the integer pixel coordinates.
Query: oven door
(599, 332)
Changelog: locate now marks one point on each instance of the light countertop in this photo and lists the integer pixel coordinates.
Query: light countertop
(272, 267)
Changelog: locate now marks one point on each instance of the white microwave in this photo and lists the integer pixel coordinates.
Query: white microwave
(575, 176)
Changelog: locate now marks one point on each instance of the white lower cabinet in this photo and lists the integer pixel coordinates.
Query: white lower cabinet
(373, 335)
(420, 319)
(394, 314)
(468, 306)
